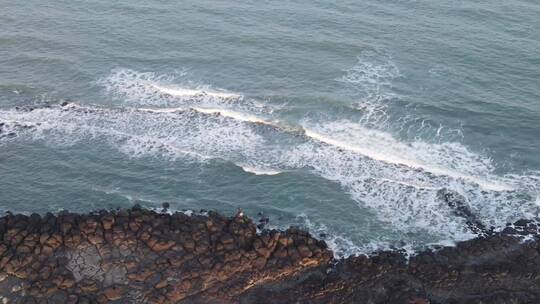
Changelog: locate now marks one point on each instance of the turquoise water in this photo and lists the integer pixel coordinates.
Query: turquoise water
(346, 118)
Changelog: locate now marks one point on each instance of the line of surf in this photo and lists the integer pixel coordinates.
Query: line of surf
(258, 171)
(184, 92)
(225, 113)
(236, 115)
(365, 151)
(395, 159)
(370, 152)
(233, 114)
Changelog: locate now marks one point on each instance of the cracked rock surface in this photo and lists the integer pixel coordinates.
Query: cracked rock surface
(140, 256)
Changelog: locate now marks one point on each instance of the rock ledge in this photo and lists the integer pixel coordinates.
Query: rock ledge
(141, 256)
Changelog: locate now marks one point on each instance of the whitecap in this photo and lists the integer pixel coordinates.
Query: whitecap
(240, 116)
(260, 171)
(145, 88)
(186, 92)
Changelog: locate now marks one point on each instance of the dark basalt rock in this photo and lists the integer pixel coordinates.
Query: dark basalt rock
(11, 129)
(501, 268)
(140, 256)
(461, 208)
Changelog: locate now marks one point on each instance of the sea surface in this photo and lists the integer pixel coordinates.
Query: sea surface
(349, 118)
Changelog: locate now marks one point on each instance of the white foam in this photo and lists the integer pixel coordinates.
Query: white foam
(416, 185)
(260, 171)
(406, 209)
(398, 180)
(161, 110)
(145, 88)
(382, 146)
(372, 70)
(236, 115)
(402, 195)
(371, 80)
(374, 144)
(366, 151)
(377, 145)
(232, 114)
(185, 92)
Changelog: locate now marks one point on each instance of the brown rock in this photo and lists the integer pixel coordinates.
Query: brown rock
(65, 227)
(163, 245)
(418, 301)
(23, 249)
(281, 253)
(113, 293)
(43, 238)
(185, 284)
(134, 226)
(45, 272)
(285, 240)
(259, 263)
(304, 251)
(161, 284)
(189, 245)
(107, 222)
(72, 240)
(293, 253)
(3, 248)
(47, 250)
(175, 295)
(145, 236)
(156, 299)
(227, 239)
(66, 283)
(263, 251)
(95, 239)
(219, 247)
(54, 241)
(142, 275)
(88, 286)
(201, 248)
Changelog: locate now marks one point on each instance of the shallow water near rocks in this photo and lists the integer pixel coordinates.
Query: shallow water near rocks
(348, 119)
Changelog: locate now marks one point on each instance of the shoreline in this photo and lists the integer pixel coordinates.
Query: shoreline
(138, 255)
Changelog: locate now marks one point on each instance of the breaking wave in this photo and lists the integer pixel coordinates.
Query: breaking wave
(260, 171)
(400, 181)
(150, 89)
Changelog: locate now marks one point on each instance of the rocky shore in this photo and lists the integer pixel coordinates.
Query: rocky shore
(141, 256)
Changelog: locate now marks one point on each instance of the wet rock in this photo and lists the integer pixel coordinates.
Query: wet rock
(461, 208)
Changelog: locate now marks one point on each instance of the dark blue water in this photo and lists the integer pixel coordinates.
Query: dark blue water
(349, 118)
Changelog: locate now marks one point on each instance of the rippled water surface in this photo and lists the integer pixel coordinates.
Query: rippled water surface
(351, 119)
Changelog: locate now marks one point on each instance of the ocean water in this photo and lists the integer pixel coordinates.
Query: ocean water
(349, 119)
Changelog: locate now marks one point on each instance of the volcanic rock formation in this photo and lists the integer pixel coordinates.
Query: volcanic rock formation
(142, 256)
